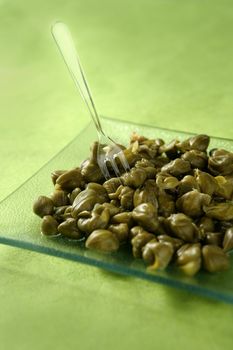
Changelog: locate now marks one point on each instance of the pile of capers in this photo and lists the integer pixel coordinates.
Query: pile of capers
(175, 205)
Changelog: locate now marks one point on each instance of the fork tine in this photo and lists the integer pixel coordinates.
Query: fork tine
(123, 161)
(103, 167)
(115, 166)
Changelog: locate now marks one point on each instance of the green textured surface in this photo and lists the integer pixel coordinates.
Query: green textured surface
(167, 63)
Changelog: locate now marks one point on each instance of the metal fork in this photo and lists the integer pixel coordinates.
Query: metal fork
(105, 158)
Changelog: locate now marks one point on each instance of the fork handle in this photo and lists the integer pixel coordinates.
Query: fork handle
(64, 41)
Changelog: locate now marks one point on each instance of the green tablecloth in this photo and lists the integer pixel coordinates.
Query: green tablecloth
(163, 62)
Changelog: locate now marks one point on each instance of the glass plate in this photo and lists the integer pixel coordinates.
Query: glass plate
(21, 228)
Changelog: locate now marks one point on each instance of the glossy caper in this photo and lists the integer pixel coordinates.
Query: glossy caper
(69, 229)
(49, 226)
(146, 216)
(214, 258)
(103, 240)
(43, 206)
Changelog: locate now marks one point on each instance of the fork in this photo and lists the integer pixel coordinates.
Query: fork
(105, 158)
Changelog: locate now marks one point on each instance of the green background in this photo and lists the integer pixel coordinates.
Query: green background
(162, 62)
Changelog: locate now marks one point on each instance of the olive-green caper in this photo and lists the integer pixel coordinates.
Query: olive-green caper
(157, 254)
(166, 204)
(192, 203)
(146, 216)
(120, 230)
(187, 184)
(196, 158)
(221, 162)
(189, 258)
(177, 167)
(112, 185)
(55, 174)
(59, 198)
(69, 229)
(103, 240)
(169, 149)
(124, 217)
(43, 206)
(70, 179)
(131, 157)
(214, 238)
(166, 182)
(182, 227)
(139, 241)
(146, 194)
(99, 219)
(148, 166)
(206, 182)
(134, 231)
(197, 142)
(206, 224)
(59, 213)
(176, 242)
(134, 178)
(49, 226)
(113, 210)
(90, 170)
(126, 198)
(85, 200)
(214, 258)
(228, 240)
(74, 194)
(224, 187)
(219, 211)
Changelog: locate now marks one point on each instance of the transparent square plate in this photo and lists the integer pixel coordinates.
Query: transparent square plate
(21, 228)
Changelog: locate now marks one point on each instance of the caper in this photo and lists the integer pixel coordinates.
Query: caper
(74, 194)
(197, 159)
(134, 231)
(224, 187)
(55, 175)
(103, 240)
(146, 194)
(99, 219)
(146, 216)
(214, 258)
(69, 229)
(43, 206)
(166, 204)
(206, 182)
(221, 162)
(220, 211)
(177, 167)
(214, 238)
(228, 239)
(120, 230)
(112, 185)
(187, 184)
(124, 217)
(139, 241)
(182, 227)
(166, 182)
(192, 203)
(157, 254)
(126, 197)
(176, 242)
(135, 177)
(206, 224)
(189, 258)
(49, 226)
(59, 198)
(70, 179)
